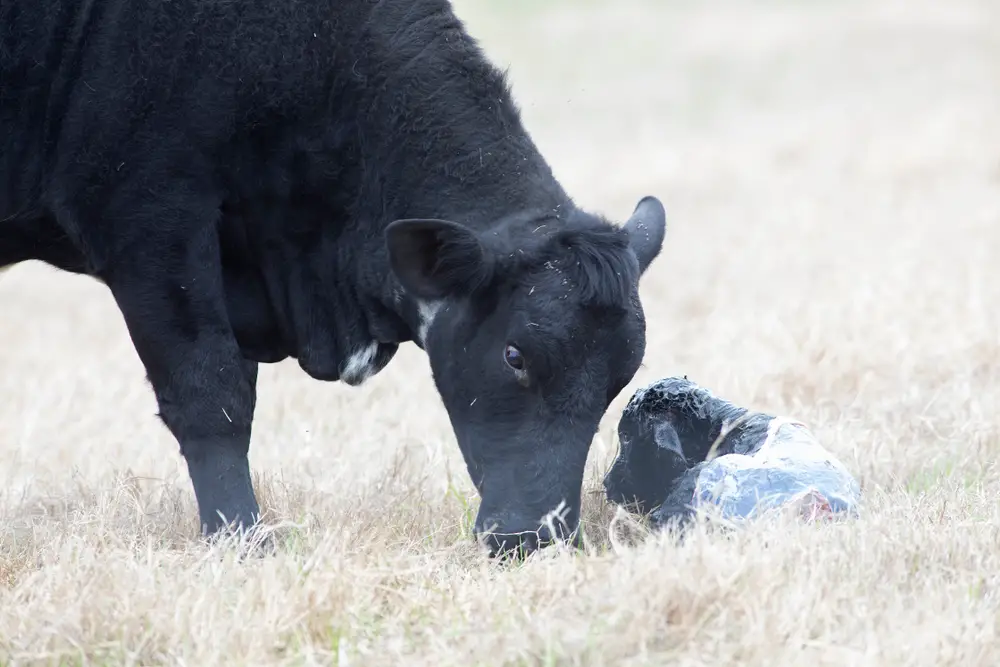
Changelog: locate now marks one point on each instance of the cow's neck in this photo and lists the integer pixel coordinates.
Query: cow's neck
(439, 137)
(458, 150)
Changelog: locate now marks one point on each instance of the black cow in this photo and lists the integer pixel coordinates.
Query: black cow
(322, 180)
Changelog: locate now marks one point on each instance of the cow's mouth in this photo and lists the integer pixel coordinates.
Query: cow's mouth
(518, 539)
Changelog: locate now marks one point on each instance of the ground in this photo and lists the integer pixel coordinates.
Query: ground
(832, 179)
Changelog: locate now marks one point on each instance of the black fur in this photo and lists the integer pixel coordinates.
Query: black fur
(231, 171)
(665, 434)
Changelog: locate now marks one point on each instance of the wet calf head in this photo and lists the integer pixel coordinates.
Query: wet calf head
(669, 427)
(532, 327)
(650, 459)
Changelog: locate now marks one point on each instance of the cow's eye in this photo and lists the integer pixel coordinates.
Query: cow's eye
(514, 358)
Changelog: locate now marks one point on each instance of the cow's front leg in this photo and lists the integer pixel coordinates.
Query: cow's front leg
(169, 289)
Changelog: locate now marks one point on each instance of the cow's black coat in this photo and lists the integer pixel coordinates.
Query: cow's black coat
(324, 180)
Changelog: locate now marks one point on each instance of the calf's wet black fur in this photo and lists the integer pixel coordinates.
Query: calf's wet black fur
(666, 432)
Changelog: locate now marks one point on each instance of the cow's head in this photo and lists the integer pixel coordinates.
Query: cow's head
(531, 328)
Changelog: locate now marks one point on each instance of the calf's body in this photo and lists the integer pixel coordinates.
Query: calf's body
(320, 180)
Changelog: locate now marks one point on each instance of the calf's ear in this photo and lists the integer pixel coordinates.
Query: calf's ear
(436, 258)
(646, 229)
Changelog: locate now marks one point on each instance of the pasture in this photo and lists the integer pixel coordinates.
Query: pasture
(831, 175)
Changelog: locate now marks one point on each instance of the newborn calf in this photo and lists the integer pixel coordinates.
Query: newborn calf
(666, 461)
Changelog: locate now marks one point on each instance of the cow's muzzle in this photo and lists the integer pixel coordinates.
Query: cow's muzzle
(513, 537)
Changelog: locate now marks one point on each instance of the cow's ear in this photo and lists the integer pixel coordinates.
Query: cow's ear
(436, 258)
(646, 229)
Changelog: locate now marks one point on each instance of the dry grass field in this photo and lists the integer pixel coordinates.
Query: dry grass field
(831, 172)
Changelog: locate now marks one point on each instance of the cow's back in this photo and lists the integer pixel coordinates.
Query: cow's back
(302, 114)
(88, 87)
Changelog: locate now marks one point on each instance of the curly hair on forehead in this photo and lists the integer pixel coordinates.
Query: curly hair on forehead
(592, 258)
